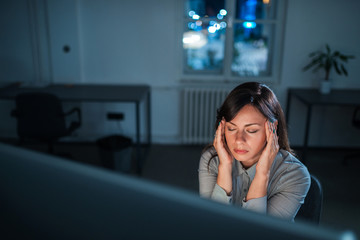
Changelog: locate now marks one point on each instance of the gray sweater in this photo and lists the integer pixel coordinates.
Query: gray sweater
(288, 185)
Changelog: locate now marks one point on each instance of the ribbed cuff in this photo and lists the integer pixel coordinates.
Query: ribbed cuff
(219, 194)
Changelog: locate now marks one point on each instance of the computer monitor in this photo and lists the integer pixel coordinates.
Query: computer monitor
(46, 197)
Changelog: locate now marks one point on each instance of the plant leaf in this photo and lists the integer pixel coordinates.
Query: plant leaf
(318, 67)
(328, 48)
(337, 68)
(314, 62)
(344, 70)
(314, 54)
(343, 58)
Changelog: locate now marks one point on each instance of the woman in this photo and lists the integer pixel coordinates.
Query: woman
(250, 162)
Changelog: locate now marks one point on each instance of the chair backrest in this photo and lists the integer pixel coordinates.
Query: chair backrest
(40, 115)
(356, 117)
(312, 207)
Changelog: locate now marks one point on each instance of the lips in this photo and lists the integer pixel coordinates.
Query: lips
(240, 151)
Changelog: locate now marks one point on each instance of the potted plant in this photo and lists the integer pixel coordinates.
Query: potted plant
(326, 60)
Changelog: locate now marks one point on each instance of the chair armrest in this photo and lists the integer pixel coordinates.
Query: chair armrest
(74, 125)
(74, 110)
(356, 117)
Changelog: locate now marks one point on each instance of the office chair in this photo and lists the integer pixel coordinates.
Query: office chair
(312, 208)
(355, 123)
(40, 116)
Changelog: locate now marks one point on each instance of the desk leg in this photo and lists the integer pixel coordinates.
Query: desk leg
(138, 148)
(307, 130)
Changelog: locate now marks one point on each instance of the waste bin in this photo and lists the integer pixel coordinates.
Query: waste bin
(115, 152)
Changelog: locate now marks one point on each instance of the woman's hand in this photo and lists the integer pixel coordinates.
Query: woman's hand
(259, 185)
(224, 178)
(270, 151)
(221, 147)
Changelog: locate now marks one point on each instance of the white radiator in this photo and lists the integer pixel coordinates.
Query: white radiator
(199, 113)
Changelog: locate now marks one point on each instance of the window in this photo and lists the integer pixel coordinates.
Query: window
(232, 39)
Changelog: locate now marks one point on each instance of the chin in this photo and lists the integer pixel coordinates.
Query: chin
(241, 158)
(244, 158)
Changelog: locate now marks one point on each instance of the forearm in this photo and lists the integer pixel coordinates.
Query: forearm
(258, 187)
(224, 179)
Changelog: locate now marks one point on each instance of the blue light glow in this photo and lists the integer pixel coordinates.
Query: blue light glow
(191, 25)
(212, 29)
(249, 24)
(223, 12)
(223, 24)
(195, 17)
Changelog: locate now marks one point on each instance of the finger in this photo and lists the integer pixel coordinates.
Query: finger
(222, 129)
(272, 138)
(276, 138)
(223, 122)
(269, 145)
(217, 129)
(277, 141)
(218, 135)
(267, 130)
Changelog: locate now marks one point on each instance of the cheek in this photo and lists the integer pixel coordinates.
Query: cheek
(259, 140)
(228, 137)
(262, 140)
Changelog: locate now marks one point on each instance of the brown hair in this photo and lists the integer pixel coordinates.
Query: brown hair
(262, 98)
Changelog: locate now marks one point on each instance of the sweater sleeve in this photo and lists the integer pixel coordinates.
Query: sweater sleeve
(287, 192)
(208, 172)
(257, 204)
(290, 192)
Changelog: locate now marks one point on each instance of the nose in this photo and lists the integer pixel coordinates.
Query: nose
(240, 137)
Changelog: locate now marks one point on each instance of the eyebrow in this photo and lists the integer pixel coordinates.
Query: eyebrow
(247, 125)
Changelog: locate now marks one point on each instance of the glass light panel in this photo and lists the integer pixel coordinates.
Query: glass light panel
(204, 44)
(255, 9)
(196, 9)
(252, 49)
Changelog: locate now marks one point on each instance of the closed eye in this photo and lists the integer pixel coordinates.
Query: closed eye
(252, 131)
(230, 129)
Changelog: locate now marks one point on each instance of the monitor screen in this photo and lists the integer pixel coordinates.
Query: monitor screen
(46, 197)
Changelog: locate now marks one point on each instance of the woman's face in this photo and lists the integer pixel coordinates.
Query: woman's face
(245, 135)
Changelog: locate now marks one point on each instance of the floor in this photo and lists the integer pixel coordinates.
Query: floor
(176, 166)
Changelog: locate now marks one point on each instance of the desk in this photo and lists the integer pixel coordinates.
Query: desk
(96, 93)
(311, 97)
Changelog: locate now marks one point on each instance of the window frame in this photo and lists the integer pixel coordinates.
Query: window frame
(226, 75)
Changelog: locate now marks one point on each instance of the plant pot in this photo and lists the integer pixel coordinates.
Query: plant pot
(325, 87)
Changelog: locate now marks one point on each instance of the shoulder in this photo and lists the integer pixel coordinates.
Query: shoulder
(291, 169)
(288, 160)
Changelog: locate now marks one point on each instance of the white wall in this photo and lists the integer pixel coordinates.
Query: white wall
(309, 26)
(133, 42)
(137, 41)
(15, 38)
